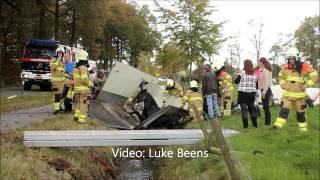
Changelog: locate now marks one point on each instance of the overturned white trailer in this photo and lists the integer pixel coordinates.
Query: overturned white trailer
(122, 83)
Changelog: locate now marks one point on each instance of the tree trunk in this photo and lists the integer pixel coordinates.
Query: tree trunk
(56, 20)
(73, 28)
(41, 33)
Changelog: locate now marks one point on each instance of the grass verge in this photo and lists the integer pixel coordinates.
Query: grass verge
(20, 162)
(27, 101)
(278, 154)
(265, 153)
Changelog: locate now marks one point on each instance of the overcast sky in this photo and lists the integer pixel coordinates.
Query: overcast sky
(277, 16)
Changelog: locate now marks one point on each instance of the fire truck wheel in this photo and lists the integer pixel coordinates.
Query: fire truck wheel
(27, 86)
(45, 87)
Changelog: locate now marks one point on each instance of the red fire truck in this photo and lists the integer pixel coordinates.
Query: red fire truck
(36, 62)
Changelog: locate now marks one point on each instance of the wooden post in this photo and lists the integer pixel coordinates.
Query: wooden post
(207, 135)
(224, 148)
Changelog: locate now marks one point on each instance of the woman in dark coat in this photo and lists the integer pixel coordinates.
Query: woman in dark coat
(246, 93)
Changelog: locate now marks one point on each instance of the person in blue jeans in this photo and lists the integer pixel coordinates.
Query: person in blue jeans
(209, 90)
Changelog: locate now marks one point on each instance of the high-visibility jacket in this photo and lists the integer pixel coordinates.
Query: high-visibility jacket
(294, 83)
(176, 91)
(225, 81)
(81, 80)
(195, 98)
(57, 70)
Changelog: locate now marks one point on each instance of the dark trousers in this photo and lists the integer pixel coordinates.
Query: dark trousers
(245, 107)
(266, 108)
(67, 101)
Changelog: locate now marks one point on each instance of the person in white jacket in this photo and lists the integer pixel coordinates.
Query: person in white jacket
(264, 83)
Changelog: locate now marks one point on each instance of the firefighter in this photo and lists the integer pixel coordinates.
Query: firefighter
(294, 77)
(57, 78)
(225, 90)
(82, 86)
(68, 88)
(193, 97)
(99, 82)
(173, 89)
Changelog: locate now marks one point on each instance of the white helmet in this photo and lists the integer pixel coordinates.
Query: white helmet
(193, 84)
(60, 49)
(293, 52)
(170, 83)
(216, 67)
(206, 63)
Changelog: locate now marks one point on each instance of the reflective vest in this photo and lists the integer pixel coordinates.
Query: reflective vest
(193, 98)
(57, 70)
(294, 83)
(81, 80)
(176, 91)
(225, 81)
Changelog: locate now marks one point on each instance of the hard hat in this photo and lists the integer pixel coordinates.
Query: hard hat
(60, 49)
(217, 67)
(214, 67)
(293, 52)
(82, 55)
(170, 83)
(193, 84)
(206, 63)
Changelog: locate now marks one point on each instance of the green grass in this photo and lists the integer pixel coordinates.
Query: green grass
(20, 162)
(27, 101)
(276, 154)
(183, 168)
(287, 153)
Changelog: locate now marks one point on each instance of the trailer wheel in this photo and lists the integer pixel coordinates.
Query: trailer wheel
(27, 86)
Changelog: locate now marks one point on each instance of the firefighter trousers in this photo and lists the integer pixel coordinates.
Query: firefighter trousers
(193, 114)
(81, 106)
(300, 105)
(57, 95)
(68, 97)
(225, 103)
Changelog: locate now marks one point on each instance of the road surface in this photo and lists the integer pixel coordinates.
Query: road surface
(20, 118)
(11, 91)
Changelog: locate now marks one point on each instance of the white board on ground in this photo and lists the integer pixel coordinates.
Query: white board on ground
(115, 137)
(75, 143)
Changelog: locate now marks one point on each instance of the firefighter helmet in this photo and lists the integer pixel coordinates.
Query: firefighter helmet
(170, 83)
(60, 49)
(193, 84)
(217, 68)
(293, 52)
(82, 55)
(206, 63)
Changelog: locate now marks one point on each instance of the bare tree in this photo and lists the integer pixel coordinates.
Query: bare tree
(235, 50)
(256, 39)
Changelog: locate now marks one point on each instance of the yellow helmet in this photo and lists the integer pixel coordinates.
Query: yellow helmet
(193, 84)
(82, 55)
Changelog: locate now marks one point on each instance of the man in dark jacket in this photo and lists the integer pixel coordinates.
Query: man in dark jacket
(209, 90)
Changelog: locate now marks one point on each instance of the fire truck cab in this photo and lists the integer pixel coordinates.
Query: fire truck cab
(36, 62)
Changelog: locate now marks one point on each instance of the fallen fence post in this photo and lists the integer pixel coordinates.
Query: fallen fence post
(224, 149)
(204, 129)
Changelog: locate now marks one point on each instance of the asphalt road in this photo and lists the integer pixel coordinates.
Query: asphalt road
(24, 117)
(11, 91)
